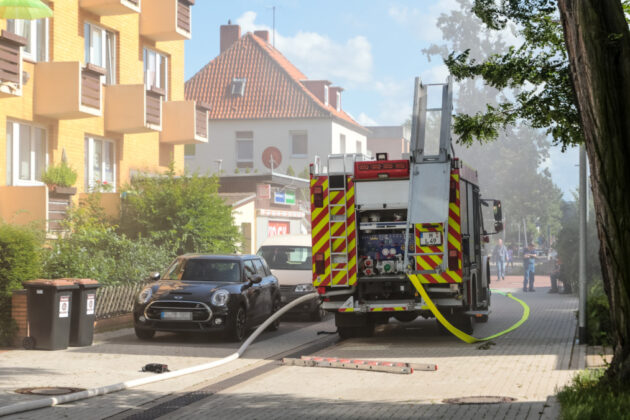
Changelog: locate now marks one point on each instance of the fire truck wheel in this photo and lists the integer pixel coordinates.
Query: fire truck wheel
(354, 332)
(405, 316)
(318, 314)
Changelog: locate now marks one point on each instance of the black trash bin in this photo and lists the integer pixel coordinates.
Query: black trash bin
(83, 312)
(49, 306)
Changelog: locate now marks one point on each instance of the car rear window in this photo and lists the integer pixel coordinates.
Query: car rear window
(201, 269)
(287, 257)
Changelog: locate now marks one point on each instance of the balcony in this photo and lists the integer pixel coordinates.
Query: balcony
(11, 64)
(166, 20)
(65, 90)
(185, 122)
(111, 7)
(133, 109)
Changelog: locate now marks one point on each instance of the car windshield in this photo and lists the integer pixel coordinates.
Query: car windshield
(202, 269)
(287, 257)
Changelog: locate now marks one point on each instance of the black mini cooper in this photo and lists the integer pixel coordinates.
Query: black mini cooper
(205, 293)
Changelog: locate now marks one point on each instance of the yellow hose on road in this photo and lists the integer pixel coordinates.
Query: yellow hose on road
(457, 332)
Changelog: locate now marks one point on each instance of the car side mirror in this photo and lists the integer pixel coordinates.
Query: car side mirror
(154, 276)
(255, 279)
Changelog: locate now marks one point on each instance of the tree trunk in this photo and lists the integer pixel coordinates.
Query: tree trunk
(598, 43)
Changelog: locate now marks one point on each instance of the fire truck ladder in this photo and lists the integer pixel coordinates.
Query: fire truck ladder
(430, 162)
(338, 220)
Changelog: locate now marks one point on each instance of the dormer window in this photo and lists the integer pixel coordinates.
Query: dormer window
(326, 95)
(238, 87)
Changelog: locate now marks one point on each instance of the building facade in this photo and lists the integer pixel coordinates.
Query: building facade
(393, 140)
(265, 112)
(99, 85)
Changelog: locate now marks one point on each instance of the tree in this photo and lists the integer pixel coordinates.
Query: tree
(510, 168)
(574, 73)
(183, 213)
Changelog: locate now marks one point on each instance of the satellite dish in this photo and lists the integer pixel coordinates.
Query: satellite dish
(272, 154)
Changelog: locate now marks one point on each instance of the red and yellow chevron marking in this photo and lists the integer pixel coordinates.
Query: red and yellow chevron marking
(339, 266)
(320, 231)
(454, 229)
(351, 232)
(389, 309)
(339, 278)
(346, 309)
(337, 197)
(428, 262)
(338, 210)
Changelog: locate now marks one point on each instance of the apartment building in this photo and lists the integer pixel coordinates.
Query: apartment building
(100, 85)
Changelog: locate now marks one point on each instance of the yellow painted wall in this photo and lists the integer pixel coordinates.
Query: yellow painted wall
(23, 205)
(134, 152)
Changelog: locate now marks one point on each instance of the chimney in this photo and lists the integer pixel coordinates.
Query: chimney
(264, 35)
(229, 35)
(334, 97)
(319, 88)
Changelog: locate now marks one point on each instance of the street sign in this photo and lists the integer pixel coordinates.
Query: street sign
(284, 197)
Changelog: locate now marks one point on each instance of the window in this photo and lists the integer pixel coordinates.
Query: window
(238, 87)
(359, 147)
(26, 154)
(36, 34)
(299, 144)
(260, 270)
(100, 50)
(244, 149)
(156, 71)
(100, 164)
(342, 143)
(287, 257)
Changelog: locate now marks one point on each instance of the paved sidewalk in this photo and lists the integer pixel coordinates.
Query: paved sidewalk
(528, 364)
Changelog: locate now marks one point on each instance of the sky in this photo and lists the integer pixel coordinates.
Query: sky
(370, 48)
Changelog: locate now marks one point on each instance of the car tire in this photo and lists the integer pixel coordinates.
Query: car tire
(143, 334)
(275, 324)
(239, 326)
(318, 314)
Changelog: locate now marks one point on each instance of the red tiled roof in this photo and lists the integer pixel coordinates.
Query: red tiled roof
(272, 88)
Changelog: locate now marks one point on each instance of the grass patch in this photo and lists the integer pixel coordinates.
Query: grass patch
(592, 397)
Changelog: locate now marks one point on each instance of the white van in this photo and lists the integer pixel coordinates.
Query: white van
(290, 260)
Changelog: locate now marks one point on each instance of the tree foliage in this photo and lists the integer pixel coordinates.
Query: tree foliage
(182, 213)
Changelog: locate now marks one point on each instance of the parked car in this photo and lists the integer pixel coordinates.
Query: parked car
(290, 260)
(206, 293)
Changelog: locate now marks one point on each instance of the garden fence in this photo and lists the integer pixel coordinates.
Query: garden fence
(116, 300)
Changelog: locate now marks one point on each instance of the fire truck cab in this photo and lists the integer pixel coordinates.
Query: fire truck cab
(375, 222)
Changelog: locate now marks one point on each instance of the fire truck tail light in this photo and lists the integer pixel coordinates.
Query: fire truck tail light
(320, 263)
(318, 197)
(321, 290)
(453, 260)
(453, 191)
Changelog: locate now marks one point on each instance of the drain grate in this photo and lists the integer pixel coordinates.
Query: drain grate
(482, 399)
(49, 390)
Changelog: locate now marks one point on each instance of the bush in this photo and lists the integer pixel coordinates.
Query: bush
(19, 262)
(593, 396)
(598, 324)
(61, 175)
(95, 250)
(183, 214)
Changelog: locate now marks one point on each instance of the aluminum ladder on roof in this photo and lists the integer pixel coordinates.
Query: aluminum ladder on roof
(430, 157)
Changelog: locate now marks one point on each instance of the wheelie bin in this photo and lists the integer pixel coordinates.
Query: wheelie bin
(83, 312)
(49, 307)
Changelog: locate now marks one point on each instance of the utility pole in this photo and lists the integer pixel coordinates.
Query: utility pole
(582, 249)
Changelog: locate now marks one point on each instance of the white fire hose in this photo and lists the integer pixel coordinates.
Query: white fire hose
(93, 392)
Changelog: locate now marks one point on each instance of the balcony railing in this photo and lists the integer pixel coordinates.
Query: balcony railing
(65, 90)
(111, 7)
(133, 109)
(11, 63)
(166, 20)
(185, 122)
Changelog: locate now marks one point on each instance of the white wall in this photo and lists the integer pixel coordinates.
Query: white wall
(323, 139)
(351, 139)
(247, 214)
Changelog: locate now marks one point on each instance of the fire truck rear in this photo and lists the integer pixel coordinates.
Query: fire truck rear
(375, 222)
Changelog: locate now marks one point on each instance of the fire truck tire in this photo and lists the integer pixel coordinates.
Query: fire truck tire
(405, 316)
(460, 321)
(318, 314)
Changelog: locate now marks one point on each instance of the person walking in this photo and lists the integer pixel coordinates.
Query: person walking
(500, 256)
(529, 260)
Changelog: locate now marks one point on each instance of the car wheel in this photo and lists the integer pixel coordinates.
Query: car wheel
(239, 327)
(143, 334)
(275, 324)
(318, 314)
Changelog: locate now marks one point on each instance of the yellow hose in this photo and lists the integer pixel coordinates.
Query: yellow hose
(456, 332)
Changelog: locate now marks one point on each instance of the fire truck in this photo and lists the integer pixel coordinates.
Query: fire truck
(377, 222)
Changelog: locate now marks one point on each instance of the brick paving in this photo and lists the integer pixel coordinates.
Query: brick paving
(528, 364)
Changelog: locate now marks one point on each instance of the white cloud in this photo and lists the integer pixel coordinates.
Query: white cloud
(363, 119)
(422, 22)
(347, 64)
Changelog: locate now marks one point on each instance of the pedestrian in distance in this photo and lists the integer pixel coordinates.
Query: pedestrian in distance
(510, 261)
(529, 261)
(500, 256)
(555, 276)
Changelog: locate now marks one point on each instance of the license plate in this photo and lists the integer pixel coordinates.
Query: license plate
(430, 238)
(177, 316)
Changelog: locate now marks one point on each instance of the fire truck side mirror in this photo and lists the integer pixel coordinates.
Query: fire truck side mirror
(498, 227)
(498, 214)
